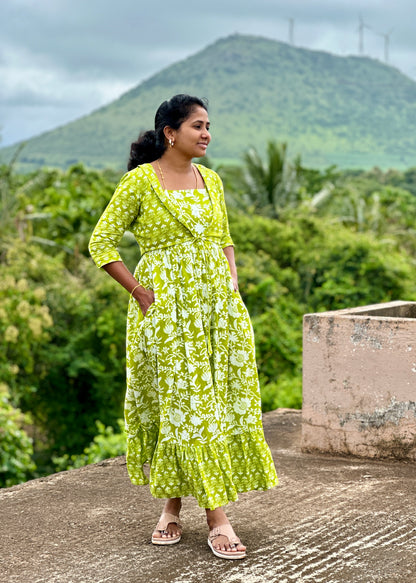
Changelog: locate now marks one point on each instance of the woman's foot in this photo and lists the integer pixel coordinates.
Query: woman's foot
(169, 529)
(227, 543)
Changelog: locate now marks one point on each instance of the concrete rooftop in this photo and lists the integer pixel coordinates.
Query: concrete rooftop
(332, 519)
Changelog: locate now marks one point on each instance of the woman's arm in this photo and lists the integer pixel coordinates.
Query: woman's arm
(122, 275)
(120, 213)
(229, 253)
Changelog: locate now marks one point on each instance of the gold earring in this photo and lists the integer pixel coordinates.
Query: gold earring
(171, 142)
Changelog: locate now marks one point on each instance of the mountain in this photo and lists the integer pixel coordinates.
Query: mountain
(349, 111)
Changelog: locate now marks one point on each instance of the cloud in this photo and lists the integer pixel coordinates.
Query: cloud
(63, 58)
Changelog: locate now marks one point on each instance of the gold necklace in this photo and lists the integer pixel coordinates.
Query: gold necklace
(163, 177)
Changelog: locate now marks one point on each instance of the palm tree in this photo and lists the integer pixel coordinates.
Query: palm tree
(266, 186)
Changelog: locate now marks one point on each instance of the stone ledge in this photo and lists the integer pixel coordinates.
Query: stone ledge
(332, 519)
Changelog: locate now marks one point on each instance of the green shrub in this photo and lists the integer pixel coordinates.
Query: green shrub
(106, 444)
(286, 393)
(16, 464)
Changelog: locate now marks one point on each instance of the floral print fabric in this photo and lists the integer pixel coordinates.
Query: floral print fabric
(192, 404)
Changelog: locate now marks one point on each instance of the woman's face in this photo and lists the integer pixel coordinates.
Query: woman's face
(193, 137)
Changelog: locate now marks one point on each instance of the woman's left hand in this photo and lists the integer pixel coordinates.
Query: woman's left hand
(229, 253)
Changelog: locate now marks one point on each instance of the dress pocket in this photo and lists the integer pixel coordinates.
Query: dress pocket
(145, 329)
(150, 310)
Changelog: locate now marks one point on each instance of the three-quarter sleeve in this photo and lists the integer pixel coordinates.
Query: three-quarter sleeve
(226, 240)
(121, 212)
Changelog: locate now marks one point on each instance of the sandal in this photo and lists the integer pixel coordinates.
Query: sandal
(162, 525)
(225, 530)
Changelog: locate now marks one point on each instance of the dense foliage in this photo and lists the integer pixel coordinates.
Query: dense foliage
(316, 240)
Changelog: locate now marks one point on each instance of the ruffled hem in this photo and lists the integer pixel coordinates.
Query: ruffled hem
(213, 474)
(140, 450)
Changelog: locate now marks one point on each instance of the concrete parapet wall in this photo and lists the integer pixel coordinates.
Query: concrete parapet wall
(359, 381)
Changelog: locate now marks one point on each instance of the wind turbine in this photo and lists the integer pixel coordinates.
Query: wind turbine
(361, 28)
(386, 37)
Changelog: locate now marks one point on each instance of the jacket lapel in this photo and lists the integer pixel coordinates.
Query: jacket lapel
(173, 207)
(214, 193)
(167, 201)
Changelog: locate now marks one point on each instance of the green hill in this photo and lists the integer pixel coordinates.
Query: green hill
(349, 111)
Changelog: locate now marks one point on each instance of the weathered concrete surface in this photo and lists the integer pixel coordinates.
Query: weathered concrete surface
(359, 381)
(331, 520)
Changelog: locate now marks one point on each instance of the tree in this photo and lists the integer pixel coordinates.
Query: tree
(266, 186)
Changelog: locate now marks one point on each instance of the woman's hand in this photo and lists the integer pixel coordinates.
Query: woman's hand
(235, 282)
(120, 273)
(145, 298)
(229, 253)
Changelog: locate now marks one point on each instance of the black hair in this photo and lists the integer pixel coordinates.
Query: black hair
(151, 144)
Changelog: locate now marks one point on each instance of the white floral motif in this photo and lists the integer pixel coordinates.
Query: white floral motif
(199, 229)
(206, 375)
(184, 434)
(195, 420)
(168, 329)
(241, 405)
(239, 357)
(177, 417)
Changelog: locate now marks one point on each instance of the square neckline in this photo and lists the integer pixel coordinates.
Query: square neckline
(196, 166)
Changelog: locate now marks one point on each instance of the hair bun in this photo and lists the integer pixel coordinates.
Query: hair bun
(144, 150)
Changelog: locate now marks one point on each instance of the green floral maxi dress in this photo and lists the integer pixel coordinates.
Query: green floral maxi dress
(192, 405)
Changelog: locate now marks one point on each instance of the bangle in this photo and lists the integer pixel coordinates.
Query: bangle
(133, 290)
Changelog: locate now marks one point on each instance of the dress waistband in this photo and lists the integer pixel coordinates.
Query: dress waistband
(194, 240)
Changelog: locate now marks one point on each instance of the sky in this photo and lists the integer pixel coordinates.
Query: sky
(61, 59)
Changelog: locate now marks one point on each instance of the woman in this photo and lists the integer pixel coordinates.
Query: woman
(192, 405)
